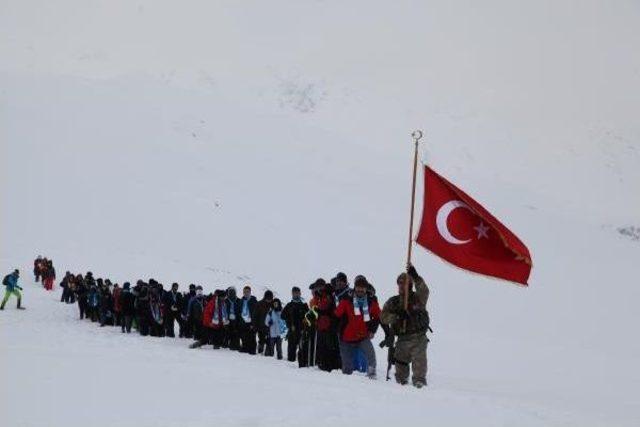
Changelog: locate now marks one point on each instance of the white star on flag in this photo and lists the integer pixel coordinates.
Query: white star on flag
(483, 230)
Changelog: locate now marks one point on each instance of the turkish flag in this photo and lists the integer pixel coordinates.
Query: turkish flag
(458, 229)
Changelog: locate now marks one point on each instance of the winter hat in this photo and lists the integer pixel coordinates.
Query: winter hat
(231, 291)
(341, 276)
(360, 281)
(268, 295)
(126, 285)
(16, 272)
(318, 284)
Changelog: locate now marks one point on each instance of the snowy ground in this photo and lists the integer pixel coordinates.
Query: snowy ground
(223, 144)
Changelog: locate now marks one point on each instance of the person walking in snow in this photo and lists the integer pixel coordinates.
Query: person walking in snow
(81, 291)
(38, 267)
(359, 320)
(48, 275)
(273, 321)
(172, 303)
(293, 314)
(263, 307)
(195, 310)
(106, 305)
(410, 325)
(232, 339)
(93, 302)
(127, 307)
(215, 320)
(10, 282)
(246, 322)
(186, 328)
(326, 348)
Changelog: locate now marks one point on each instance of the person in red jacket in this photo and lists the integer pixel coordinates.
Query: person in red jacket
(359, 320)
(215, 319)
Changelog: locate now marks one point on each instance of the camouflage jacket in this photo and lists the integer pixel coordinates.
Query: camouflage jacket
(418, 321)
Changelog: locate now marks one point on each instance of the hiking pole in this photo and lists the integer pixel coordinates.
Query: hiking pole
(416, 135)
(315, 346)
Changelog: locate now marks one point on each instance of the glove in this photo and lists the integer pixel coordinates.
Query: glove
(411, 271)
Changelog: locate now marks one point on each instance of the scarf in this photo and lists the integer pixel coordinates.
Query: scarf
(361, 307)
(220, 312)
(155, 312)
(246, 316)
(232, 309)
(339, 295)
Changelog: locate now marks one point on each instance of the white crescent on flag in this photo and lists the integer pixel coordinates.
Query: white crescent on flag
(442, 217)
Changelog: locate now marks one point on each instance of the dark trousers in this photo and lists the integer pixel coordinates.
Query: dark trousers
(143, 325)
(184, 330)
(274, 342)
(263, 338)
(82, 306)
(307, 350)
(232, 340)
(106, 317)
(248, 337)
(126, 323)
(169, 325)
(293, 340)
(217, 337)
(198, 330)
(93, 312)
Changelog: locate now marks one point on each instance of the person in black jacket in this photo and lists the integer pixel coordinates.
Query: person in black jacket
(127, 307)
(81, 295)
(143, 310)
(172, 304)
(186, 328)
(195, 311)
(233, 309)
(262, 308)
(246, 322)
(106, 305)
(293, 314)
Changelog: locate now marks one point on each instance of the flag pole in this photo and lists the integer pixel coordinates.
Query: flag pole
(416, 135)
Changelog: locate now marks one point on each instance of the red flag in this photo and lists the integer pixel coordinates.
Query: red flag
(456, 228)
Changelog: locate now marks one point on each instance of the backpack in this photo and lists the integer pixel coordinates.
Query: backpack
(5, 281)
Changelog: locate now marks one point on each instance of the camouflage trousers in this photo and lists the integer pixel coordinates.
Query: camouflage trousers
(411, 351)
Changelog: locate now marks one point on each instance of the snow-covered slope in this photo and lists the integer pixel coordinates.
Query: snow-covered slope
(226, 143)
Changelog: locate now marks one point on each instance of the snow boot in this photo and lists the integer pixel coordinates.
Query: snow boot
(419, 384)
(20, 307)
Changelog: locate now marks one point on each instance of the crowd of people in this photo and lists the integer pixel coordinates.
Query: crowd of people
(333, 331)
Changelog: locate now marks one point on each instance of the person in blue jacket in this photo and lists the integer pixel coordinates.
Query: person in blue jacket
(12, 288)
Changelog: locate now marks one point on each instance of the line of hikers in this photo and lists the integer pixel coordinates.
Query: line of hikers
(334, 331)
